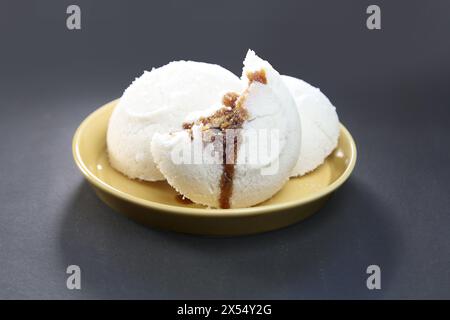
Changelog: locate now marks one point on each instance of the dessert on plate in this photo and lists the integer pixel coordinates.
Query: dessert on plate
(220, 140)
(240, 172)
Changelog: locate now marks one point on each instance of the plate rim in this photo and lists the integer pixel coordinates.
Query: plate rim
(178, 210)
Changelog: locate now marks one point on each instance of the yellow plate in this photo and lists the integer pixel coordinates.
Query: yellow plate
(156, 204)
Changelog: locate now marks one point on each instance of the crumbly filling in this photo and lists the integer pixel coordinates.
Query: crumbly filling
(258, 76)
(231, 116)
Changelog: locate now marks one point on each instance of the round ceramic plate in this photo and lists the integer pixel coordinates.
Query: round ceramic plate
(157, 204)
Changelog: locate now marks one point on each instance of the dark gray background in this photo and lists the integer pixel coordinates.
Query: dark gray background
(391, 88)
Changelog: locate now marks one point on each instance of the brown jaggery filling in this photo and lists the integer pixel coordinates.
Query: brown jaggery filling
(230, 99)
(258, 76)
(231, 116)
(226, 180)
